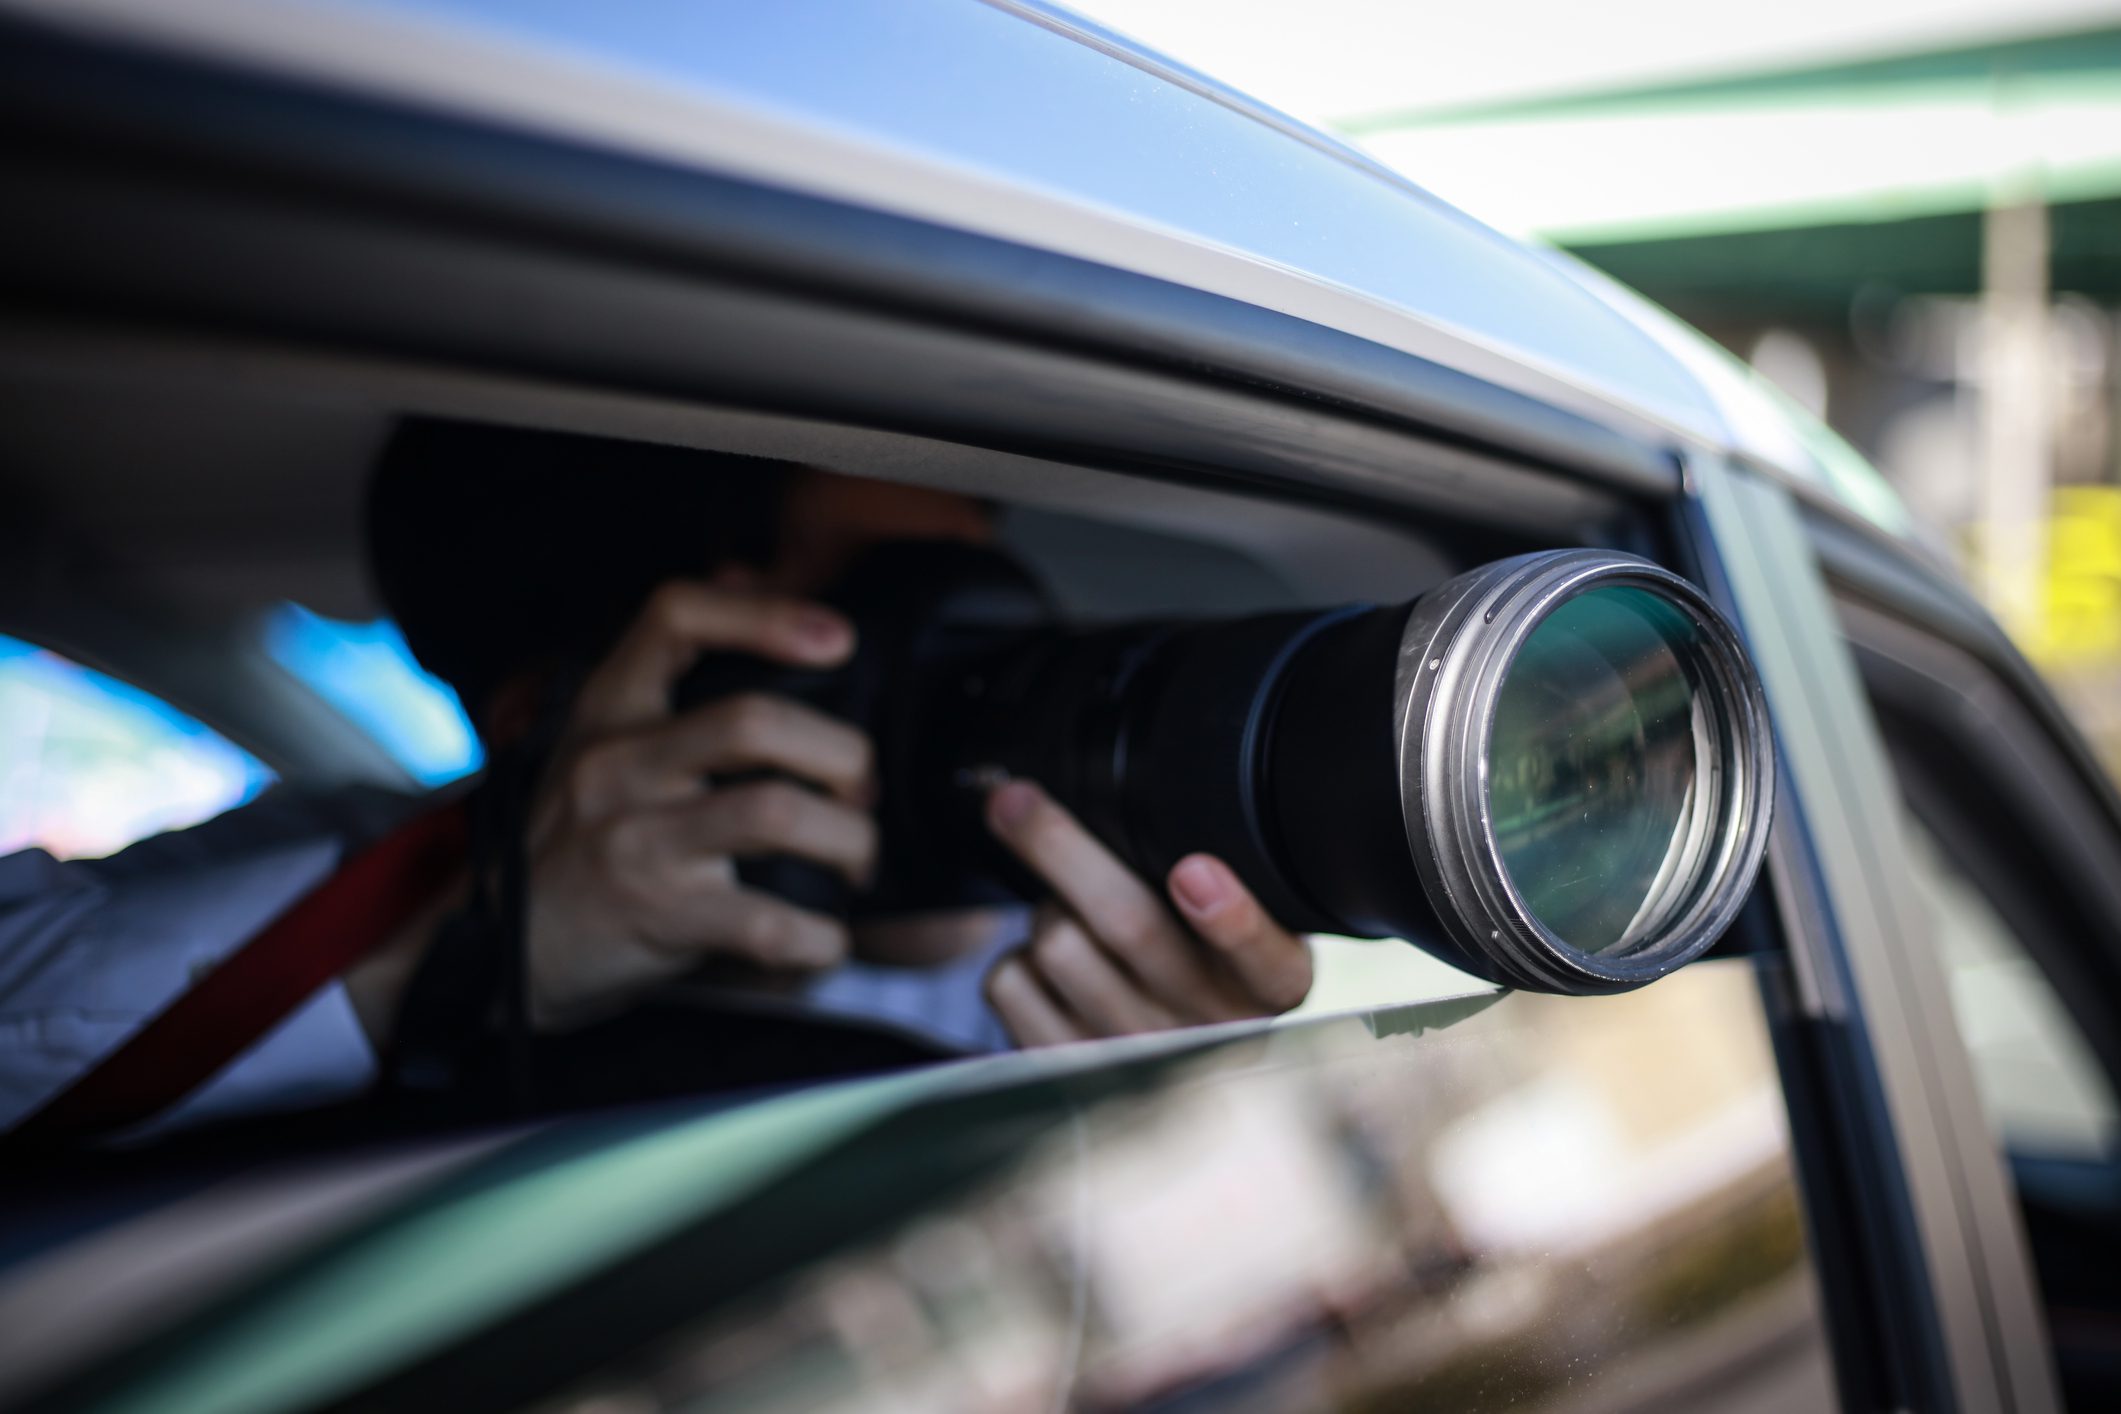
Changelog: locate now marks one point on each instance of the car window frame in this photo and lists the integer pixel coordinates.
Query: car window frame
(1940, 1273)
(2009, 806)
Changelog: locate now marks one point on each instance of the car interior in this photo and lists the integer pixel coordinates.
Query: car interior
(165, 500)
(153, 518)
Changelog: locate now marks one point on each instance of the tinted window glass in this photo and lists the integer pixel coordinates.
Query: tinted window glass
(2041, 1086)
(1503, 1202)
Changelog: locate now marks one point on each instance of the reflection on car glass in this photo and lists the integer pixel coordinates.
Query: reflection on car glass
(2041, 1088)
(366, 671)
(89, 764)
(1525, 1207)
(1353, 974)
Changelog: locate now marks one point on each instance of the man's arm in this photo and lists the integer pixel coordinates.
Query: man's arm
(90, 951)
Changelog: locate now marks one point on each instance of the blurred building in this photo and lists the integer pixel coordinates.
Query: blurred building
(1924, 247)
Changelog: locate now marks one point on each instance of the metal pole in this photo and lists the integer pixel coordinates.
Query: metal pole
(2016, 424)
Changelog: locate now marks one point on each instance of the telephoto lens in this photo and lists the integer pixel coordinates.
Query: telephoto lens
(1583, 766)
(1553, 771)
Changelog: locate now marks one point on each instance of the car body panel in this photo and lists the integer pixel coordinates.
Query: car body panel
(1865, 950)
(1277, 1211)
(1011, 121)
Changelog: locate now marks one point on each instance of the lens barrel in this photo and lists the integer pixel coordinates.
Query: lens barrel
(1554, 771)
(1586, 767)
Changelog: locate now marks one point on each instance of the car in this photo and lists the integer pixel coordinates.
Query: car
(1860, 1154)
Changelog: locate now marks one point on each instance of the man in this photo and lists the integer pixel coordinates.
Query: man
(507, 556)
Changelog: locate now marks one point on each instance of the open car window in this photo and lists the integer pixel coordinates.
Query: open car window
(90, 764)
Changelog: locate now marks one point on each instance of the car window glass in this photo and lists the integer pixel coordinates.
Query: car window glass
(2040, 1085)
(1351, 974)
(89, 764)
(1353, 1215)
(366, 671)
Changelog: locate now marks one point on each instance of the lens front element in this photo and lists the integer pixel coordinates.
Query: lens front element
(1586, 768)
(1597, 768)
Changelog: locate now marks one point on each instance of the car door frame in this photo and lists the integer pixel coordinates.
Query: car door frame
(1869, 1005)
(1987, 759)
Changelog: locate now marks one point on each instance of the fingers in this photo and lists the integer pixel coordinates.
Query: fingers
(1124, 914)
(1271, 964)
(1030, 1015)
(1115, 959)
(758, 927)
(763, 817)
(649, 921)
(665, 763)
(633, 876)
(683, 619)
(1089, 987)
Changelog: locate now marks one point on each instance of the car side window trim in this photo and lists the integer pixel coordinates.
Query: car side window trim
(1986, 1340)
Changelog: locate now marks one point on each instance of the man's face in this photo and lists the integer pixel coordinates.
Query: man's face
(827, 519)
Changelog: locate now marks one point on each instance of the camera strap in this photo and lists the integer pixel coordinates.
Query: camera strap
(460, 1046)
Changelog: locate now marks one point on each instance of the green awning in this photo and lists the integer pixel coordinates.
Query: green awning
(1814, 273)
(1889, 141)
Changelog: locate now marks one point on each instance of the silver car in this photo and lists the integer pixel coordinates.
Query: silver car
(1205, 360)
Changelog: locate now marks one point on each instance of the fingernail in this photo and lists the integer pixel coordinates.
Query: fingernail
(822, 629)
(1202, 884)
(1010, 805)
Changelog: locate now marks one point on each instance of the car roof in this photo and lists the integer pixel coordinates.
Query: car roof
(1021, 121)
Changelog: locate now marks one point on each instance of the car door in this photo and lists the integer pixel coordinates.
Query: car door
(2013, 839)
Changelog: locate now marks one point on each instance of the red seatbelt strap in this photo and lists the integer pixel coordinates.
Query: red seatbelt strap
(254, 988)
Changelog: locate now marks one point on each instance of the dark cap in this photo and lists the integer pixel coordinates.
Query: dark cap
(499, 549)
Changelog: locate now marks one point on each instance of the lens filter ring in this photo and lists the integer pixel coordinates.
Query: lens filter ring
(1586, 768)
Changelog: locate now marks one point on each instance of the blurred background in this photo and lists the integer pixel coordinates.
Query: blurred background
(1905, 214)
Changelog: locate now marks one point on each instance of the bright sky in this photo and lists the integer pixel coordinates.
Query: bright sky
(1661, 171)
(1327, 59)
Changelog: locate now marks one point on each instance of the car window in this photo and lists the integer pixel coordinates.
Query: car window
(89, 764)
(2011, 853)
(2040, 1084)
(1351, 1216)
(1502, 1202)
(367, 672)
(2011, 866)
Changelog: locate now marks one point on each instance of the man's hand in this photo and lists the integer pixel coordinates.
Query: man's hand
(633, 853)
(1108, 956)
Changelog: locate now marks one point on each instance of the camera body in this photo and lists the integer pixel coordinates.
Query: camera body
(1152, 733)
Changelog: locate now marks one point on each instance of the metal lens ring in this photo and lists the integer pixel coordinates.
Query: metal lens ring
(1586, 767)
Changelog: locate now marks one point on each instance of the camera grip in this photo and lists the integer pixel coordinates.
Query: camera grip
(802, 882)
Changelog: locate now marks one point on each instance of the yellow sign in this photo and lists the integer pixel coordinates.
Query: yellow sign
(2081, 591)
